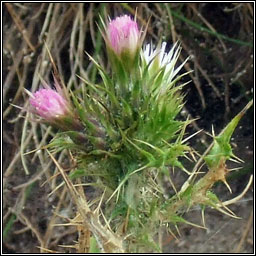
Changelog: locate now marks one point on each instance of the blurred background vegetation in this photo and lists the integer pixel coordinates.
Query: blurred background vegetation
(217, 36)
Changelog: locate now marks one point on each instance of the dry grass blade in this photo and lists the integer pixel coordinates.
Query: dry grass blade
(107, 241)
(31, 226)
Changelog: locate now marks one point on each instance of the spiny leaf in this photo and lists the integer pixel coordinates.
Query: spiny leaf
(221, 148)
(177, 219)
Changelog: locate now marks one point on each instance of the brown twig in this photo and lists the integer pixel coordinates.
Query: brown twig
(210, 26)
(23, 219)
(20, 25)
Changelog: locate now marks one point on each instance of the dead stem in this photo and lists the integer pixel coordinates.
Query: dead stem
(50, 227)
(30, 225)
(249, 225)
(210, 26)
(20, 26)
(107, 241)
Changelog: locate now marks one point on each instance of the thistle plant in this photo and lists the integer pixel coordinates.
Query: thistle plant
(126, 137)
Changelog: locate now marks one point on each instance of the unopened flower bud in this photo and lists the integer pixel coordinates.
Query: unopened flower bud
(123, 35)
(55, 109)
(49, 104)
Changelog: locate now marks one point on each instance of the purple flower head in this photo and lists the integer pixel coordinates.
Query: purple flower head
(49, 104)
(123, 34)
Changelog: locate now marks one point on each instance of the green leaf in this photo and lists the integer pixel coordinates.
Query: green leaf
(221, 149)
(78, 173)
(213, 198)
(174, 219)
(9, 225)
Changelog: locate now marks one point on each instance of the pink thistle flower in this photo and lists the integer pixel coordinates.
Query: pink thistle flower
(49, 104)
(123, 34)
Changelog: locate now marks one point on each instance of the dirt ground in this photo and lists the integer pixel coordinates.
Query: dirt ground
(223, 234)
(221, 85)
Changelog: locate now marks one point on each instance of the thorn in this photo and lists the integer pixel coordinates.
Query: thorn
(173, 186)
(210, 135)
(195, 225)
(189, 137)
(235, 169)
(235, 199)
(99, 205)
(182, 132)
(225, 207)
(213, 133)
(106, 221)
(198, 154)
(170, 231)
(237, 158)
(187, 158)
(186, 171)
(203, 219)
(192, 154)
(16, 106)
(235, 161)
(177, 230)
(218, 208)
(148, 144)
(225, 182)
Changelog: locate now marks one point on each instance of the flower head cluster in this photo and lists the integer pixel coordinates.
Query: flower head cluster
(123, 34)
